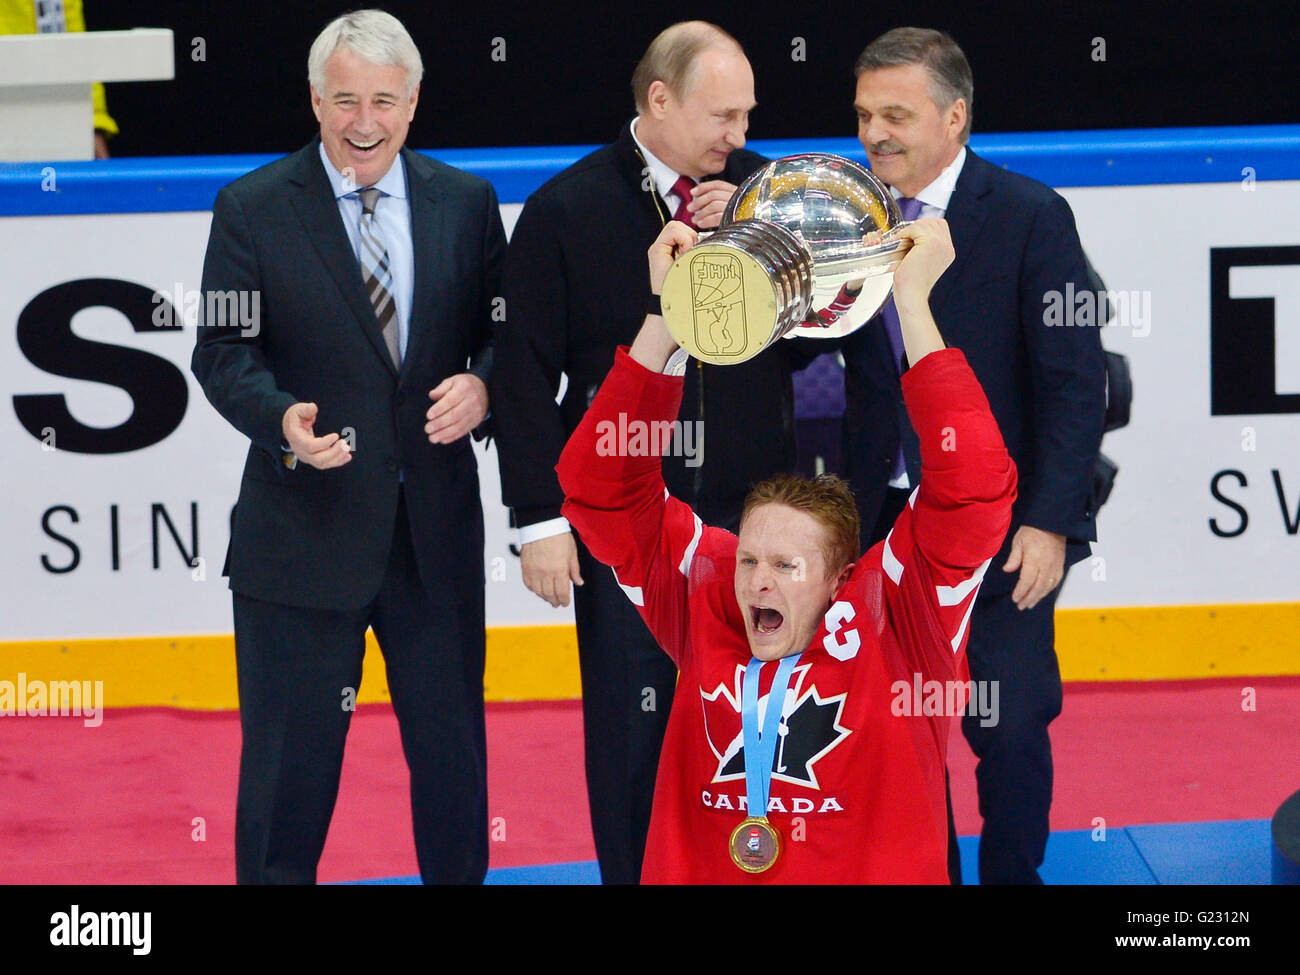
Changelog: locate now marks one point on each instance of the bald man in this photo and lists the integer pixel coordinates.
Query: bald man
(574, 271)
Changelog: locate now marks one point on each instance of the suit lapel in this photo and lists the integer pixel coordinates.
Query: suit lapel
(313, 201)
(426, 234)
(636, 171)
(966, 213)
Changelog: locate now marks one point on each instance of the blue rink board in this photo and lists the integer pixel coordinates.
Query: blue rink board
(1234, 852)
(1103, 157)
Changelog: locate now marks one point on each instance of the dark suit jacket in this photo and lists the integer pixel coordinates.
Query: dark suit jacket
(321, 539)
(577, 284)
(1015, 241)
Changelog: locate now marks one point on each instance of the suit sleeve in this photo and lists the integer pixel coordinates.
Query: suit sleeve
(616, 499)
(483, 357)
(1069, 381)
(941, 545)
(228, 360)
(530, 359)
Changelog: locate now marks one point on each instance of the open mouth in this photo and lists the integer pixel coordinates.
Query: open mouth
(765, 619)
(364, 148)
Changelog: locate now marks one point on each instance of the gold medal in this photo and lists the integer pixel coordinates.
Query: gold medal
(755, 844)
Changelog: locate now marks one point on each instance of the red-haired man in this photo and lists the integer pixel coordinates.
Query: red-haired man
(837, 783)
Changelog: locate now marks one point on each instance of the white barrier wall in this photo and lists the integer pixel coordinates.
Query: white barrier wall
(1157, 534)
(98, 544)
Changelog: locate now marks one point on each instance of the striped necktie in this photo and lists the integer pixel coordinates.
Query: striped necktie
(377, 272)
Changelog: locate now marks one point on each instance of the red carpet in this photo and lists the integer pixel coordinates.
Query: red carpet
(1162, 752)
(116, 804)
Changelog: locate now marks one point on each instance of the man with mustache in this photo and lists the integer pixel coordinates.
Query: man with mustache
(1016, 246)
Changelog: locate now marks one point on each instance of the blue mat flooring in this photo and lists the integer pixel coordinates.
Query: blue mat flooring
(1207, 853)
(1232, 852)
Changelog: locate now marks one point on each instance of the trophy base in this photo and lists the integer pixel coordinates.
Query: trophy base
(721, 304)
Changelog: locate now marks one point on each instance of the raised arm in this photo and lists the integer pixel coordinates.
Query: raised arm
(940, 547)
(611, 473)
(653, 345)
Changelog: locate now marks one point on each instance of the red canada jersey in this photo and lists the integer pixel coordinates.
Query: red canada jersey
(857, 788)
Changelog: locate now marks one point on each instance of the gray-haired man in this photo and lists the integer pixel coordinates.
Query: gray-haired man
(359, 505)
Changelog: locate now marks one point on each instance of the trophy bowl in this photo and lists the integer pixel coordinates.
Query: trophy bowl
(805, 248)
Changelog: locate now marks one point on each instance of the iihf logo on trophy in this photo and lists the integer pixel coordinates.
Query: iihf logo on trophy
(718, 303)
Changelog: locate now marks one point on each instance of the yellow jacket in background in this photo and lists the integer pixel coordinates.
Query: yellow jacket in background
(19, 17)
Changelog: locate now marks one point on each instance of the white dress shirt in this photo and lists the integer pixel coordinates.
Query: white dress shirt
(393, 217)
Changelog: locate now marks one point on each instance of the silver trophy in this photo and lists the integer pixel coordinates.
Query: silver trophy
(806, 247)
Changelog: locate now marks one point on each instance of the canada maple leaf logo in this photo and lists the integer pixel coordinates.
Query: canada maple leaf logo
(810, 728)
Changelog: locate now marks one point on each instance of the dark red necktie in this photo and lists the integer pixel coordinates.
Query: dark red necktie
(683, 188)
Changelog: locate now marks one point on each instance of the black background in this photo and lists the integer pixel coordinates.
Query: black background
(566, 76)
(290, 930)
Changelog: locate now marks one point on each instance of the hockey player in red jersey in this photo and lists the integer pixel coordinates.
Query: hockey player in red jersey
(796, 750)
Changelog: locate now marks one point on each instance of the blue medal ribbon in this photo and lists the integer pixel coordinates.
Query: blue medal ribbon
(760, 751)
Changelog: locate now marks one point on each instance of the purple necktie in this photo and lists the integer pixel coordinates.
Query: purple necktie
(911, 210)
